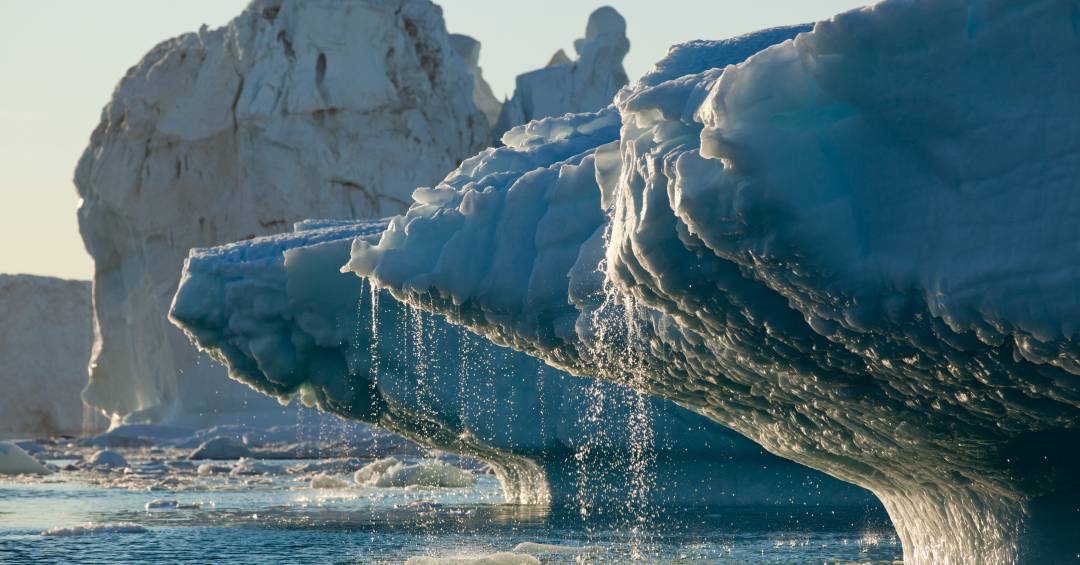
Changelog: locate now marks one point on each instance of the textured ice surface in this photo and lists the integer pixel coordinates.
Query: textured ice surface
(279, 313)
(585, 84)
(44, 347)
(857, 248)
(294, 109)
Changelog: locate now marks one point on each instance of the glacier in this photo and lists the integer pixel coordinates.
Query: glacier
(238, 132)
(45, 345)
(856, 247)
(286, 321)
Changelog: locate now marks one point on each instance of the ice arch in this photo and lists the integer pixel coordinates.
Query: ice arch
(857, 248)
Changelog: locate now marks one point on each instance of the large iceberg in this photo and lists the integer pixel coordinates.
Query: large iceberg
(857, 248)
(294, 109)
(45, 345)
(585, 84)
(284, 319)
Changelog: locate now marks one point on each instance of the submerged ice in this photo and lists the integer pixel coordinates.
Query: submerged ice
(855, 247)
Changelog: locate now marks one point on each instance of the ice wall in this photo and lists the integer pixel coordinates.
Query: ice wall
(469, 51)
(44, 347)
(856, 248)
(284, 319)
(328, 108)
(585, 84)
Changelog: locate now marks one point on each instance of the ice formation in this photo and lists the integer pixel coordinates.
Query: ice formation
(391, 472)
(95, 529)
(565, 86)
(294, 109)
(856, 248)
(501, 558)
(281, 315)
(16, 461)
(45, 346)
(469, 51)
(329, 482)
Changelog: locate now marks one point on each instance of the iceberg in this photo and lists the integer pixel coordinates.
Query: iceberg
(45, 345)
(287, 322)
(856, 247)
(237, 132)
(585, 84)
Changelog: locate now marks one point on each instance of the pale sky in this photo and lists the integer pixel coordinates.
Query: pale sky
(62, 58)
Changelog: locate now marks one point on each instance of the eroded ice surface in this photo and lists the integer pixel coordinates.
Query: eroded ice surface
(286, 321)
(857, 248)
(294, 109)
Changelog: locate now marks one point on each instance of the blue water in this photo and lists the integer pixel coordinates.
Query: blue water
(278, 519)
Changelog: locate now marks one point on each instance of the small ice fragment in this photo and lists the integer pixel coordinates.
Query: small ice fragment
(533, 548)
(91, 528)
(491, 559)
(323, 481)
(107, 459)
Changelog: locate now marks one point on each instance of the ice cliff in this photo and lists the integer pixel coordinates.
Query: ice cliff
(45, 345)
(328, 108)
(287, 322)
(585, 84)
(857, 248)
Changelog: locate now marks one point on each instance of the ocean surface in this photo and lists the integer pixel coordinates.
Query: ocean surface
(278, 518)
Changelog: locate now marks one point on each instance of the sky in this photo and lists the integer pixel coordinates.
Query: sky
(62, 59)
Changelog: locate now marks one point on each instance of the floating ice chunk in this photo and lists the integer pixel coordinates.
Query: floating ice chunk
(391, 472)
(323, 481)
(16, 461)
(247, 466)
(90, 529)
(533, 548)
(107, 459)
(211, 469)
(491, 559)
(171, 504)
(374, 469)
(221, 448)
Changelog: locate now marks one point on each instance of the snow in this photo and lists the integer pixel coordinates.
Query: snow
(585, 84)
(95, 529)
(16, 461)
(281, 316)
(45, 346)
(293, 109)
(856, 248)
(391, 472)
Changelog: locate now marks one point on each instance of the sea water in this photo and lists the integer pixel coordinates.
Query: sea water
(175, 515)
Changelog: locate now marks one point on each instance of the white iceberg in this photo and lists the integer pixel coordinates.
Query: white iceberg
(294, 109)
(45, 345)
(564, 86)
